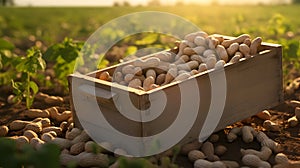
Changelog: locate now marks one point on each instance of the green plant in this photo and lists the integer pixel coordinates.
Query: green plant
(28, 66)
(14, 156)
(7, 62)
(64, 56)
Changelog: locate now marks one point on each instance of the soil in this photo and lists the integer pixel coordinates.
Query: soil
(288, 137)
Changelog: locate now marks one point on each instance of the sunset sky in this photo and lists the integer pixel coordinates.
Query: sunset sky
(132, 2)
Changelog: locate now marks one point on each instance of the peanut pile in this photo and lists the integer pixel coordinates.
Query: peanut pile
(197, 53)
(55, 125)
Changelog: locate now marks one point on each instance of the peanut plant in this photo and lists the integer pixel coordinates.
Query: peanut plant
(28, 66)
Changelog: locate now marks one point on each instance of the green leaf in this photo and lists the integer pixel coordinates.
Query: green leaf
(5, 45)
(131, 50)
(148, 39)
(34, 87)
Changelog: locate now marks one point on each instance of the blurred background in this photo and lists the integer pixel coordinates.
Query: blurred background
(61, 27)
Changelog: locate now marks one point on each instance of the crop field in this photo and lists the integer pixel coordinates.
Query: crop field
(39, 48)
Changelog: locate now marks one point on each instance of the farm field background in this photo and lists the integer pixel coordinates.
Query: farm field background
(58, 34)
(24, 26)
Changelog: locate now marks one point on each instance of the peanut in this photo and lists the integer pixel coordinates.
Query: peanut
(35, 113)
(118, 77)
(18, 125)
(235, 59)
(147, 63)
(208, 52)
(62, 143)
(222, 53)
(82, 137)
(64, 126)
(160, 79)
(104, 76)
(271, 126)
(231, 164)
(135, 83)
(188, 66)
(182, 77)
(199, 50)
(247, 134)
(232, 49)
(294, 103)
(202, 67)
(70, 135)
(128, 69)
(182, 59)
(201, 163)
(85, 159)
(128, 78)
(165, 56)
(293, 121)
(211, 62)
(297, 112)
(3, 130)
(220, 150)
(191, 37)
(92, 147)
(253, 160)
(266, 141)
(255, 45)
(239, 39)
(30, 134)
(245, 50)
(148, 82)
(195, 155)
(220, 64)
(212, 42)
(54, 114)
(186, 148)
(200, 41)
(47, 137)
(263, 154)
(232, 135)
(36, 143)
(151, 72)
(188, 51)
(208, 149)
(283, 162)
(214, 138)
(197, 58)
(264, 115)
(37, 125)
(171, 74)
(77, 148)
(138, 71)
(20, 140)
(53, 100)
(57, 130)
(247, 41)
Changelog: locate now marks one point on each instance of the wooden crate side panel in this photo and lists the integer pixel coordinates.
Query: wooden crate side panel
(254, 85)
(105, 105)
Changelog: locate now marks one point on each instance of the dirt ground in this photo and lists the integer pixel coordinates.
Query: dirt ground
(287, 136)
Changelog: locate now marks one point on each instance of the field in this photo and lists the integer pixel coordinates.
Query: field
(50, 40)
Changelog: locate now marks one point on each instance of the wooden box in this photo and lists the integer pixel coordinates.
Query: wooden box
(252, 85)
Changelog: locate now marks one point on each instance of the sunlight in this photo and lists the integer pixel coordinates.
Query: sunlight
(141, 2)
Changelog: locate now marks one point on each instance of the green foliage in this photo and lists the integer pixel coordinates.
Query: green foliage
(28, 66)
(7, 62)
(134, 163)
(14, 156)
(64, 55)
